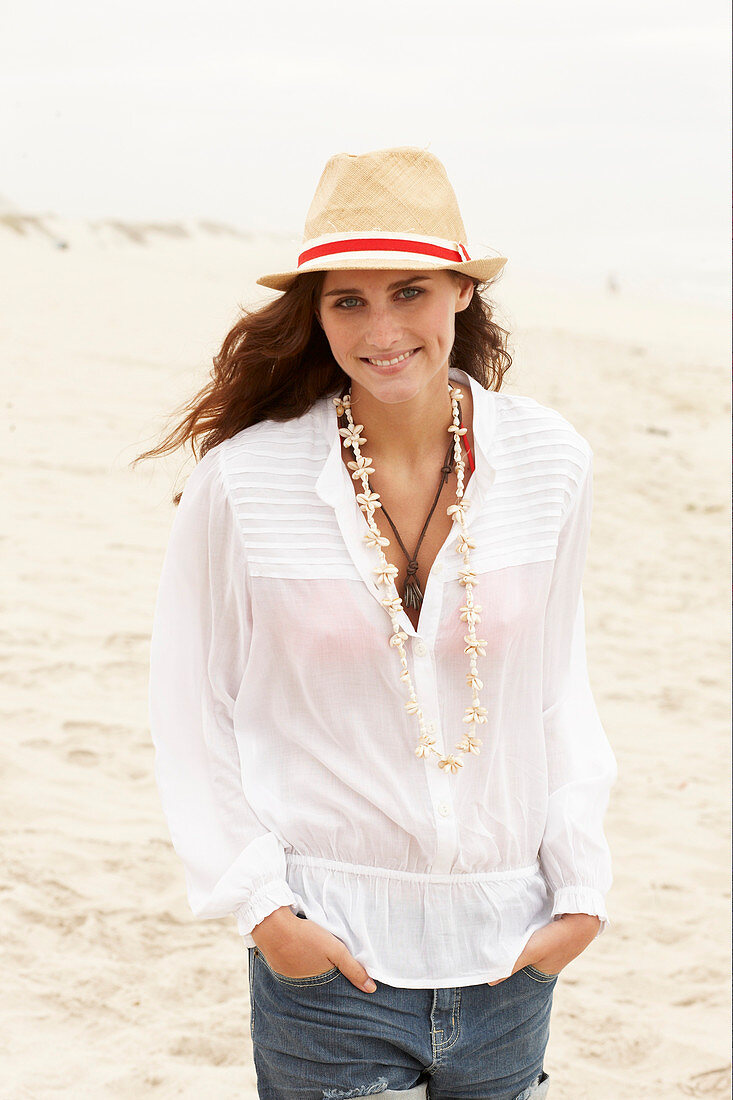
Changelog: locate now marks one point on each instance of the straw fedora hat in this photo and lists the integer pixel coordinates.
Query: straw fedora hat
(392, 208)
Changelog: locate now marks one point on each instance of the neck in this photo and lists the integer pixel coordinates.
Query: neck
(406, 432)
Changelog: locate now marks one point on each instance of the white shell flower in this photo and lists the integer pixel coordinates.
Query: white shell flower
(398, 638)
(465, 544)
(342, 404)
(362, 466)
(477, 646)
(470, 744)
(392, 604)
(351, 435)
(473, 681)
(467, 576)
(373, 538)
(368, 500)
(470, 613)
(476, 714)
(386, 573)
(457, 430)
(458, 509)
(451, 763)
(424, 746)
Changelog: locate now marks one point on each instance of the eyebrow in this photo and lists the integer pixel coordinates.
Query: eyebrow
(392, 286)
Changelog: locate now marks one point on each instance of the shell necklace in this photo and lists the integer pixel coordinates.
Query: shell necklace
(368, 502)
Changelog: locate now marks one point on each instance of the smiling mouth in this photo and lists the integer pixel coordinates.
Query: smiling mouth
(391, 362)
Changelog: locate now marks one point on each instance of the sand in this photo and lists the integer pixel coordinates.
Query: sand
(110, 989)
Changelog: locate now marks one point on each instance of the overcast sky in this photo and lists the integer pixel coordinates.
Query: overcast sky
(578, 136)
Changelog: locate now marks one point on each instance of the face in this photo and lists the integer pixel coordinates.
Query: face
(392, 331)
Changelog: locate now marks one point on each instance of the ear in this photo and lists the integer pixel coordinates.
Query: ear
(465, 292)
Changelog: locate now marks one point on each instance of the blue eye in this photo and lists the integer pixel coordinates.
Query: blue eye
(407, 294)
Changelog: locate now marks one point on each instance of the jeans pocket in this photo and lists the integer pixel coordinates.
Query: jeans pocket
(299, 983)
(538, 975)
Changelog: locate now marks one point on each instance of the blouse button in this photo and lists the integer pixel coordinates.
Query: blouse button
(443, 809)
(421, 649)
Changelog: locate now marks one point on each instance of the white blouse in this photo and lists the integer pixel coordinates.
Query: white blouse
(285, 758)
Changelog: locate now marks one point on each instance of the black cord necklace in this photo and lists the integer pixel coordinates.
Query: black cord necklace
(412, 595)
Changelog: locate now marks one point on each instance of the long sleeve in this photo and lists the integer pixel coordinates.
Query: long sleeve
(574, 854)
(199, 651)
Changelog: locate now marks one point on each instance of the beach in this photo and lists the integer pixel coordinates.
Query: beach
(110, 988)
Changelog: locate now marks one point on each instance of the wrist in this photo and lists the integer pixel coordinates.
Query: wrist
(274, 927)
(582, 920)
(580, 928)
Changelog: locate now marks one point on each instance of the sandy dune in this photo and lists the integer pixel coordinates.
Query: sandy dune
(109, 988)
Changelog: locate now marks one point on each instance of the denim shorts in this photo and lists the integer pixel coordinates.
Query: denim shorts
(321, 1038)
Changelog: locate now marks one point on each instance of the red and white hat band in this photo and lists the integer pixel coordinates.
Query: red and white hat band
(380, 245)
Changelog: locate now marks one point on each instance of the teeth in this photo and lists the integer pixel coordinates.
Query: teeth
(390, 362)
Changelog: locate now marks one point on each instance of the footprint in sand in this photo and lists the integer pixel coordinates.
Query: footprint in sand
(712, 1082)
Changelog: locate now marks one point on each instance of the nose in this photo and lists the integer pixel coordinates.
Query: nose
(383, 330)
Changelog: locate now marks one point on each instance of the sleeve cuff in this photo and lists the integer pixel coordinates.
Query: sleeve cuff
(267, 899)
(581, 899)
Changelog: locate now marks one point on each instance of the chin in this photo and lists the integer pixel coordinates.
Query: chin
(399, 387)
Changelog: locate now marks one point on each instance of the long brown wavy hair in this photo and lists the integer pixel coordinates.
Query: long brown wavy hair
(276, 362)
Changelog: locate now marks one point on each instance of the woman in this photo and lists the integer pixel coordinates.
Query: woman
(376, 742)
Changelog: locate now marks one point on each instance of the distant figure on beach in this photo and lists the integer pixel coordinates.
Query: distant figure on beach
(376, 741)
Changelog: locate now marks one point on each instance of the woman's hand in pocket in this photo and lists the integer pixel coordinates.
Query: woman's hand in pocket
(298, 948)
(556, 944)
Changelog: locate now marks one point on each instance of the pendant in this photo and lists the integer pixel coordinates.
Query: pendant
(412, 595)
